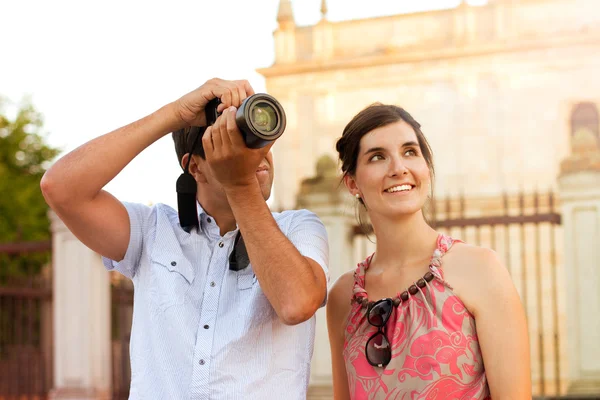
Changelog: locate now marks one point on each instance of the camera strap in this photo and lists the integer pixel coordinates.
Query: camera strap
(238, 259)
(186, 188)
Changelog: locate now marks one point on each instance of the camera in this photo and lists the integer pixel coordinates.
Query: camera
(260, 118)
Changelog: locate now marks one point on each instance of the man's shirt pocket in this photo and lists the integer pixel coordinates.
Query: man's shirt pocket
(171, 277)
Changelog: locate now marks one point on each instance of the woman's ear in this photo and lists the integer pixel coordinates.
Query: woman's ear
(351, 185)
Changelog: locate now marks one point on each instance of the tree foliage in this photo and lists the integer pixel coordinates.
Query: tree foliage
(24, 157)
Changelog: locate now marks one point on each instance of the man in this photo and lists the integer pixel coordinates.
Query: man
(200, 328)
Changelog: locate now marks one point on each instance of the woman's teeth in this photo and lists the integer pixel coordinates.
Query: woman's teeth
(400, 188)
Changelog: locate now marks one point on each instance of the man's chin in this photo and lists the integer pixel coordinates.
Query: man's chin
(265, 188)
(266, 192)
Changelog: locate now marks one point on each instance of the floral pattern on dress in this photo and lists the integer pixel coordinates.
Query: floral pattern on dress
(435, 350)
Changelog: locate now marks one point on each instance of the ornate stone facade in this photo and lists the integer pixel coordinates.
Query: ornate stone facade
(493, 86)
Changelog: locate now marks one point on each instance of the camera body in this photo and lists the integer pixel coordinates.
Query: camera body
(260, 118)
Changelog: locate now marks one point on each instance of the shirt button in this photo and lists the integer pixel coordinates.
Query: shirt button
(206, 326)
(212, 284)
(221, 244)
(201, 362)
(173, 263)
(209, 220)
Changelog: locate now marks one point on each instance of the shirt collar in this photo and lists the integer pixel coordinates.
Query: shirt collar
(208, 225)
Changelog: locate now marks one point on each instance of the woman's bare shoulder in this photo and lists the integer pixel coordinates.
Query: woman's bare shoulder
(340, 294)
(475, 272)
(469, 253)
(471, 259)
(341, 290)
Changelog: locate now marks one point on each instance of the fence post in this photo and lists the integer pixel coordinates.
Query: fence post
(579, 189)
(81, 290)
(325, 196)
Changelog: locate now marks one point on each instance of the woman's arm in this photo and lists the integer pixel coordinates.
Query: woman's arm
(486, 288)
(338, 308)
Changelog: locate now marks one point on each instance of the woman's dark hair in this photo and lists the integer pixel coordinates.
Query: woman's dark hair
(376, 116)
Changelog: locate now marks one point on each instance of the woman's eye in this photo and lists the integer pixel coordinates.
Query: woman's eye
(410, 152)
(376, 157)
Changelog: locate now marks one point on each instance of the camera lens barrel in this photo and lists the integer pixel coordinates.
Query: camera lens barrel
(261, 119)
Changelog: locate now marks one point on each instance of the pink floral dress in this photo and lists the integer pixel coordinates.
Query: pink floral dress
(435, 351)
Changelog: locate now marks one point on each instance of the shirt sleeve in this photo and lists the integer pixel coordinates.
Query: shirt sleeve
(139, 215)
(309, 235)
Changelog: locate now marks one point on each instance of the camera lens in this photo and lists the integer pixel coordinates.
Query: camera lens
(261, 120)
(264, 117)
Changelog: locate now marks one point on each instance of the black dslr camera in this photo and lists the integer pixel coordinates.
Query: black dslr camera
(260, 118)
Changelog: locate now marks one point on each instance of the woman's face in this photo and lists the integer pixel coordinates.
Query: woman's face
(392, 177)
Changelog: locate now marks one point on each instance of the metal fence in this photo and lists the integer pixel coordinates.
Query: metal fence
(25, 322)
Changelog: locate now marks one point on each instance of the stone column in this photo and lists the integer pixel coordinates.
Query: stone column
(326, 197)
(323, 40)
(459, 16)
(81, 297)
(285, 35)
(579, 185)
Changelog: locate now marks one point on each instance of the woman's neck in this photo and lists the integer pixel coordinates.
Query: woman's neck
(403, 243)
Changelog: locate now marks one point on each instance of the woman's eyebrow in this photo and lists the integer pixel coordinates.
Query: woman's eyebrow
(376, 149)
(373, 150)
(408, 144)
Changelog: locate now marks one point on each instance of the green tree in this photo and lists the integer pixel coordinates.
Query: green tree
(24, 157)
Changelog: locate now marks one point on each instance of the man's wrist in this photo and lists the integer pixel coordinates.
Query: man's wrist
(173, 116)
(243, 192)
(241, 188)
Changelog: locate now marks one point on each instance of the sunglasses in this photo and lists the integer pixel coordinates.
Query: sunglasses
(378, 349)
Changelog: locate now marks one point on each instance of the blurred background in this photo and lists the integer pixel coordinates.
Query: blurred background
(506, 91)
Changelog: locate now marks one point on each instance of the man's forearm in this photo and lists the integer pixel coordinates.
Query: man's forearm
(81, 174)
(289, 280)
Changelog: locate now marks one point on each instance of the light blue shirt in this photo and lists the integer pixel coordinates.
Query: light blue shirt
(201, 331)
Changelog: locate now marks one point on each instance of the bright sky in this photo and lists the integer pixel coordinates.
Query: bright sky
(93, 66)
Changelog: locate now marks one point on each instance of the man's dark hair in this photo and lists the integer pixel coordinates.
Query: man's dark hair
(184, 141)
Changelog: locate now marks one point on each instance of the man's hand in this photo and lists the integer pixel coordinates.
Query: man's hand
(190, 108)
(233, 164)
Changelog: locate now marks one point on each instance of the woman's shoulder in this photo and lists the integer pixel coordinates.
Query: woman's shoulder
(475, 272)
(469, 256)
(339, 298)
(341, 290)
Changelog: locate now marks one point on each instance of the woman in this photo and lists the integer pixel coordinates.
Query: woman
(425, 316)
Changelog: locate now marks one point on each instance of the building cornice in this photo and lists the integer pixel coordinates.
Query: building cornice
(403, 55)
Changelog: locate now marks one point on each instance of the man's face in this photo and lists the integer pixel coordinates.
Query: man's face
(264, 176)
